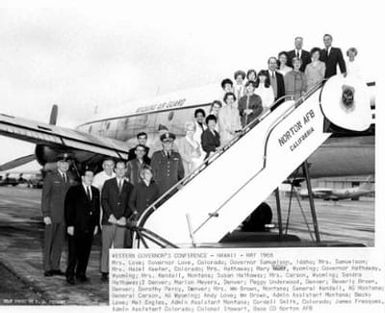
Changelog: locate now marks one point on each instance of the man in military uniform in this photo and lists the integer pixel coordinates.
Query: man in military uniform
(55, 187)
(167, 164)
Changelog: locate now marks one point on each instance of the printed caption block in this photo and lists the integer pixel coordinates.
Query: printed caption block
(237, 280)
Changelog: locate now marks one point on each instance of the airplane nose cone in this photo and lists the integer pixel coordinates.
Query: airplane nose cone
(345, 102)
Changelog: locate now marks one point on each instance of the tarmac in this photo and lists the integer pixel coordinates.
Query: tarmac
(21, 241)
(343, 222)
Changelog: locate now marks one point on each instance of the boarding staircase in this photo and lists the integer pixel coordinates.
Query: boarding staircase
(214, 199)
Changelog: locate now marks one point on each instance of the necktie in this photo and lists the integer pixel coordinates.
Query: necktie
(297, 54)
(64, 177)
(89, 193)
(120, 185)
(273, 75)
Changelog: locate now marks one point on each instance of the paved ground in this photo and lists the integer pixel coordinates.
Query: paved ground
(13, 290)
(21, 233)
(21, 238)
(345, 221)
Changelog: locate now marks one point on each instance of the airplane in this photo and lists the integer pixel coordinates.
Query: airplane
(336, 194)
(112, 134)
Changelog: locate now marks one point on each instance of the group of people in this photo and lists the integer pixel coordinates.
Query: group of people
(111, 200)
(252, 93)
(114, 199)
(292, 73)
(290, 76)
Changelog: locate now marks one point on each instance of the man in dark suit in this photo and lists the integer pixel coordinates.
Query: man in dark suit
(115, 203)
(142, 140)
(276, 80)
(332, 56)
(82, 210)
(299, 53)
(134, 166)
(55, 187)
(167, 164)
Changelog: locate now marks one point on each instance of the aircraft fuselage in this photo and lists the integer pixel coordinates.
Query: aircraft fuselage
(339, 156)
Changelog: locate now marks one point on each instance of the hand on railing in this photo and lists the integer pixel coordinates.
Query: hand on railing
(131, 223)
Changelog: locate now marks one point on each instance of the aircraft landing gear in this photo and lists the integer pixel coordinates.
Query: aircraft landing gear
(305, 170)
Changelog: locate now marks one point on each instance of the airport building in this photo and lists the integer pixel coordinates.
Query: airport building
(341, 182)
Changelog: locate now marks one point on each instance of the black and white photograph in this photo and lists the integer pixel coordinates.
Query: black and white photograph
(195, 127)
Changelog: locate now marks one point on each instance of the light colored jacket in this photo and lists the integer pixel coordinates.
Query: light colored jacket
(229, 121)
(191, 155)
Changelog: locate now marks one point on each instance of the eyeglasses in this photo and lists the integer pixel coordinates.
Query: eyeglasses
(140, 150)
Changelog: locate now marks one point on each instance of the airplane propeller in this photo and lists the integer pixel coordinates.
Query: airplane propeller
(31, 157)
(53, 116)
(17, 162)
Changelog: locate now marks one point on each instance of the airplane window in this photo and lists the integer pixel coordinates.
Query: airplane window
(90, 129)
(126, 124)
(170, 115)
(101, 129)
(108, 125)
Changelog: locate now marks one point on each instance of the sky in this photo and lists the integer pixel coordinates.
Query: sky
(93, 56)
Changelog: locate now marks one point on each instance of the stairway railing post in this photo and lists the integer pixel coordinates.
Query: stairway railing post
(279, 214)
(305, 167)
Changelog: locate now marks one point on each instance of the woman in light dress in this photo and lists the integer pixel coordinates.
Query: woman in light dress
(264, 90)
(190, 149)
(314, 71)
(354, 78)
(229, 121)
(282, 61)
(352, 68)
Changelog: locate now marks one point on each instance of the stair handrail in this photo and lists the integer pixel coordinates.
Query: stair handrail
(284, 115)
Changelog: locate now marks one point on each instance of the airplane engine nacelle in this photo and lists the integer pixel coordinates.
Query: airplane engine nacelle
(47, 157)
(45, 154)
(345, 102)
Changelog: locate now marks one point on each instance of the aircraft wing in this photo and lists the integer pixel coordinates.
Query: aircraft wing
(46, 134)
